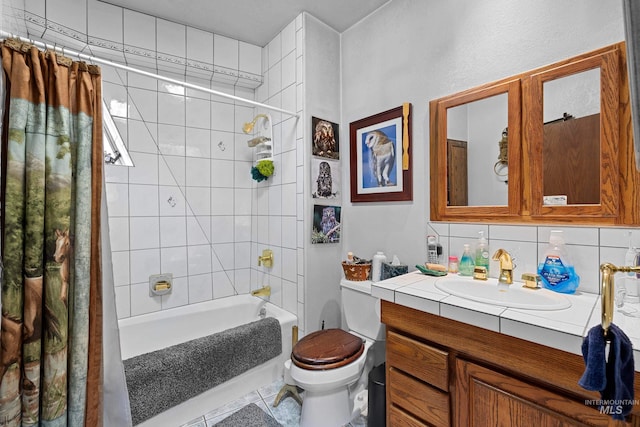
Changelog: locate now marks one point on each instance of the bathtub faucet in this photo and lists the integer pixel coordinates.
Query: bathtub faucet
(265, 291)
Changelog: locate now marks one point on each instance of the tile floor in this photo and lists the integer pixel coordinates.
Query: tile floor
(286, 413)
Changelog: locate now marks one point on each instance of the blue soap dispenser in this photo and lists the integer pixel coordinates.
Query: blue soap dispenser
(556, 271)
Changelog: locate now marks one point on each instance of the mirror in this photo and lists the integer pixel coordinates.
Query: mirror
(571, 139)
(470, 173)
(631, 13)
(574, 162)
(477, 172)
(567, 148)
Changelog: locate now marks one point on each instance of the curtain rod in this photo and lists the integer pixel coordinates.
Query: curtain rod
(65, 51)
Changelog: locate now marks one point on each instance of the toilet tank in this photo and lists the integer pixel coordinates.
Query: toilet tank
(361, 310)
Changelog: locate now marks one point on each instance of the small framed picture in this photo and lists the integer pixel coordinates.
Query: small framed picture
(326, 224)
(325, 137)
(325, 179)
(381, 157)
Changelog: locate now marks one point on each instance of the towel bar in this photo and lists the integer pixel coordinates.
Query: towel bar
(607, 271)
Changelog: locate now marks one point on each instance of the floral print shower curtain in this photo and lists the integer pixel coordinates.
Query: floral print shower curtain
(51, 329)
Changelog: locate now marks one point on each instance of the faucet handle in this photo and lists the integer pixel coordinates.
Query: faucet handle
(480, 272)
(266, 259)
(530, 280)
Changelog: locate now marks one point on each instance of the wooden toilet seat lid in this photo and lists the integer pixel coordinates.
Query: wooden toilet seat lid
(327, 349)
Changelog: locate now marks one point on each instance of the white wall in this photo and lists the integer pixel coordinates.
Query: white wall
(277, 208)
(415, 51)
(11, 13)
(322, 100)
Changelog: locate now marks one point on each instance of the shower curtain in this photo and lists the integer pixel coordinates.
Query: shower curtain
(51, 363)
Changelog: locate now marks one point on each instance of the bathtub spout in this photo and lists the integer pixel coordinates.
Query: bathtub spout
(265, 291)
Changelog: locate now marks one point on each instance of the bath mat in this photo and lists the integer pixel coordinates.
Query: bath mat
(161, 379)
(249, 416)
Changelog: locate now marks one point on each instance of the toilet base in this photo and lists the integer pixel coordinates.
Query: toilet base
(326, 409)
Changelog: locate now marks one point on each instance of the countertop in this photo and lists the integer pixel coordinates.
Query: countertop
(561, 329)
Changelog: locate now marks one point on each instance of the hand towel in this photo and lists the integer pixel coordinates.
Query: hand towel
(612, 377)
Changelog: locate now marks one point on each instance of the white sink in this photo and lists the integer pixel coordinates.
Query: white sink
(514, 295)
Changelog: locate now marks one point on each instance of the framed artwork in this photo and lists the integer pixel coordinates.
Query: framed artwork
(326, 224)
(325, 137)
(381, 157)
(325, 179)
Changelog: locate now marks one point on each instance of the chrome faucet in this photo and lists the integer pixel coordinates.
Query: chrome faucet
(506, 266)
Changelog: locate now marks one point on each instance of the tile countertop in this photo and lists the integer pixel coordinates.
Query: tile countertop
(562, 329)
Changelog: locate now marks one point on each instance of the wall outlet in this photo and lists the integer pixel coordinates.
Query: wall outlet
(160, 284)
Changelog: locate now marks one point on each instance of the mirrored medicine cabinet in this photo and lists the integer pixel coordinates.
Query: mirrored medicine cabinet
(552, 145)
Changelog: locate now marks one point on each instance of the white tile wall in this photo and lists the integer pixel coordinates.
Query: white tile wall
(71, 17)
(171, 38)
(225, 51)
(199, 45)
(139, 29)
(588, 246)
(105, 21)
(138, 39)
(189, 206)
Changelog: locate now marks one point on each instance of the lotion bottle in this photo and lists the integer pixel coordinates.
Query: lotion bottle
(482, 252)
(630, 256)
(376, 266)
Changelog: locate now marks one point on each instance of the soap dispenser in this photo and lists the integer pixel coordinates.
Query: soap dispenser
(482, 252)
(556, 271)
(466, 262)
(630, 256)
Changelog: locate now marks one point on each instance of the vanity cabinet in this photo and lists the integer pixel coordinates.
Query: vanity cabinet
(559, 132)
(441, 372)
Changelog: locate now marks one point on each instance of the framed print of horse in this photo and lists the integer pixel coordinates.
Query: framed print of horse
(381, 157)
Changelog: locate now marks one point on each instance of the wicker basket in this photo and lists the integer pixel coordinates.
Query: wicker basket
(356, 272)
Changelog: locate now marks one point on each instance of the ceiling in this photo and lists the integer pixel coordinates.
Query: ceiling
(252, 21)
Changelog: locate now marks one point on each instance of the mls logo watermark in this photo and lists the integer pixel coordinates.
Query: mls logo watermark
(611, 407)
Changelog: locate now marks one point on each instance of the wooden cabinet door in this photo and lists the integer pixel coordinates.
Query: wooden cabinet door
(487, 398)
(600, 160)
(571, 154)
(457, 181)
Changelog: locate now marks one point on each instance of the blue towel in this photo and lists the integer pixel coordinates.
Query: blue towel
(613, 378)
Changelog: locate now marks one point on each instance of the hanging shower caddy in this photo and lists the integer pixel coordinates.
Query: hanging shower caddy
(263, 143)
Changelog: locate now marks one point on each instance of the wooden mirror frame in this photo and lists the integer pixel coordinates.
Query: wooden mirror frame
(439, 164)
(608, 64)
(620, 193)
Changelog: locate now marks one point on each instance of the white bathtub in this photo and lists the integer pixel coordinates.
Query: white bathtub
(154, 331)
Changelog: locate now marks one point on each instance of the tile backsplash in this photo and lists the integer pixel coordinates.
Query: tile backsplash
(588, 247)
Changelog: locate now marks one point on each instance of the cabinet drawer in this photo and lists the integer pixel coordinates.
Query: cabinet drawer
(399, 418)
(420, 360)
(425, 402)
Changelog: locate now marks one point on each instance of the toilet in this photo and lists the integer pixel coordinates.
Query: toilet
(332, 365)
